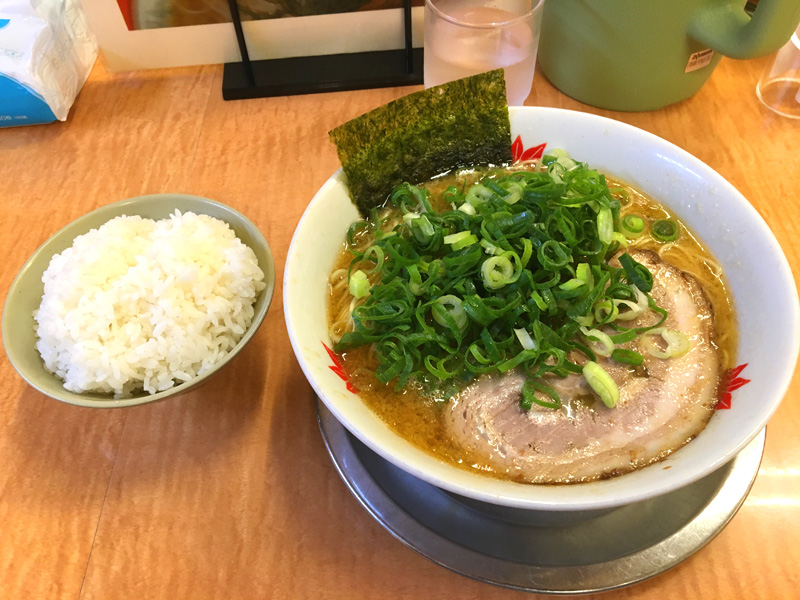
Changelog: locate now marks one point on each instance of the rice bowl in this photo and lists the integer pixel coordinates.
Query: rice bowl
(113, 339)
(138, 303)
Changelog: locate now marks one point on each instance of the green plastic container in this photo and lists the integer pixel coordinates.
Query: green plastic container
(637, 55)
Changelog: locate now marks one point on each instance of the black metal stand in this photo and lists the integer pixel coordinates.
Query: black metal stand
(324, 73)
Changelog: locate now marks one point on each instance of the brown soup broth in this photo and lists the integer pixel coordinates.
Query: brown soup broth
(418, 418)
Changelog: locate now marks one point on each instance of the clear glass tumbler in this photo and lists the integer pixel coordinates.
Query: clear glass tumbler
(466, 37)
(779, 86)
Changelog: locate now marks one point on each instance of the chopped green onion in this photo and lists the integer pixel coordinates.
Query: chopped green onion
(422, 228)
(637, 273)
(556, 170)
(627, 357)
(497, 271)
(359, 284)
(606, 312)
(467, 241)
(567, 162)
(452, 306)
(460, 240)
(632, 226)
(354, 229)
(552, 255)
(537, 298)
(468, 208)
(599, 342)
(572, 284)
(677, 343)
(504, 278)
(525, 339)
(560, 156)
(490, 248)
(602, 383)
(438, 369)
(635, 310)
(478, 194)
(529, 397)
(378, 252)
(514, 193)
(628, 335)
(620, 239)
(415, 280)
(584, 272)
(605, 225)
(664, 230)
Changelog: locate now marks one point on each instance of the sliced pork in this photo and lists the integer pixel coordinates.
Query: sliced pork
(663, 404)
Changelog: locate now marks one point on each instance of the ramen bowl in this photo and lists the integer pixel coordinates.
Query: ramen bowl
(25, 294)
(759, 280)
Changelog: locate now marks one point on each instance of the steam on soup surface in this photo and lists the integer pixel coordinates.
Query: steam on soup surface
(543, 323)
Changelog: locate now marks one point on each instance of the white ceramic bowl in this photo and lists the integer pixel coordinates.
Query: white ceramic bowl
(761, 284)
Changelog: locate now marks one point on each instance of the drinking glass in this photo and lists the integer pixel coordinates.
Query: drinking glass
(466, 37)
(779, 86)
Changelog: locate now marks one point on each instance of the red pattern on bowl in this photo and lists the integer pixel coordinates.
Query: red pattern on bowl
(731, 382)
(339, 369)
(519, 153)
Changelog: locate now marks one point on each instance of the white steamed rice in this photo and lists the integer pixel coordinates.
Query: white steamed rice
(139, 304)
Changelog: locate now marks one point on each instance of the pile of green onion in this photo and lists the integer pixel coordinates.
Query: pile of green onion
(514, 275)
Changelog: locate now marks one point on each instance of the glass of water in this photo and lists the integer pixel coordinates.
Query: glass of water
(779, 86)
(466, 37)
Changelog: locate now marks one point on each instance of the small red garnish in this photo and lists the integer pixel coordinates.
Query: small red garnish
(339, 369)
(731, 382)
(519, 153)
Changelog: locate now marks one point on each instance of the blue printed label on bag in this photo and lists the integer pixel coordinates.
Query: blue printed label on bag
(21, 106)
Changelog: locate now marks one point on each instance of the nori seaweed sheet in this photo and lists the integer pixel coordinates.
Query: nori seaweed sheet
(459, 124)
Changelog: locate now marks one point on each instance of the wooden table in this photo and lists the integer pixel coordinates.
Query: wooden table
(228, 492)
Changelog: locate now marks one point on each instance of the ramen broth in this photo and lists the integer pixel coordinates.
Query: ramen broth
(418, 417)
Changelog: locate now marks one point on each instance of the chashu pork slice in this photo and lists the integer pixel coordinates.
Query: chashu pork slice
(662, 405)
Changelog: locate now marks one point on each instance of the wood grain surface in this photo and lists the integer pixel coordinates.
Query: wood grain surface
(228, 492)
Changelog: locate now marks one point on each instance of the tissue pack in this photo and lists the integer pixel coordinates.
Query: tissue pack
(46, 54)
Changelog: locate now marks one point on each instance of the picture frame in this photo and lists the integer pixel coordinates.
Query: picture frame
(122, 49)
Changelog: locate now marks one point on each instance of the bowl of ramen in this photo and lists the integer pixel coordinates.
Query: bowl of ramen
(138, 301)
(604, 321)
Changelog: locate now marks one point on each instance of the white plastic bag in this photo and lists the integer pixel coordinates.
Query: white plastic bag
(46, 54)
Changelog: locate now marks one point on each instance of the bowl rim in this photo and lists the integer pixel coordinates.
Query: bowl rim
(79, 227)
(516, 499)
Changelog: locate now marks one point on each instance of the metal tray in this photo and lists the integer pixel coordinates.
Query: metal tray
(538, 551)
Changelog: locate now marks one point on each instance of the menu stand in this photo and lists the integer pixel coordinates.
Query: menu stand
(323, 73)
